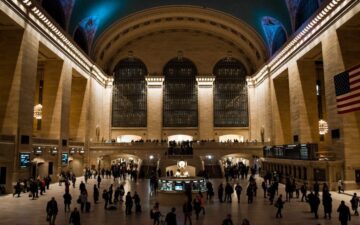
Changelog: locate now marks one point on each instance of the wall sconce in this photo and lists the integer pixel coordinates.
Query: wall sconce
(54, 151)
(38, 150)
(72, 151)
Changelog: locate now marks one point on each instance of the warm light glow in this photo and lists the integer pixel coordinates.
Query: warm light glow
(180, 138)
(231, 138)
(181, 164)
(128, 138)
(323, 127)
(38, 111)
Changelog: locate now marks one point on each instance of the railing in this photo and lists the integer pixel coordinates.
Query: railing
(195, 144)
(7, 138)
(76, 143)
(45, 141)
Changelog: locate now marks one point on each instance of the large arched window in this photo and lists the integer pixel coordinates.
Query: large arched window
(230, 94)
(54, 8)
(180, 94)
(129, 94)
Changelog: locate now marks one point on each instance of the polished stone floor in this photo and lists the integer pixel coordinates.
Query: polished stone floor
(23, 211)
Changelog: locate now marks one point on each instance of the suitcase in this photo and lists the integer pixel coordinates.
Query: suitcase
(87, 206)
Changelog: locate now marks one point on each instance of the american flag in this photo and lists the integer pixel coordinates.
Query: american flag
(347, 88)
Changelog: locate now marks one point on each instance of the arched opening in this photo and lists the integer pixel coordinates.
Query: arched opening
(230, 94)
(180, 94)
(54, 8)
(180, 138)
(129, 94)
(231, 138)
(128, 138)
(304, 11)
(81, 39)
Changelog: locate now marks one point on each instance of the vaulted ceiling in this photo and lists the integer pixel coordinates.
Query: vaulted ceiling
(273, 20)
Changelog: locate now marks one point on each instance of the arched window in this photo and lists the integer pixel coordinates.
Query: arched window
(129, 94)
(304, 11)
(81, 39)
(180, 94)
(230, 94)
(55, 10)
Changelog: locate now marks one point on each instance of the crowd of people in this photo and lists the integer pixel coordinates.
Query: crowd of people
(180, 148)
(114, 194)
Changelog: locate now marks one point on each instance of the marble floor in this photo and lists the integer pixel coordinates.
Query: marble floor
(24, 211)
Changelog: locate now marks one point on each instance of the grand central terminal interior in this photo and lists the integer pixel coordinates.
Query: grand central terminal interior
(183, 92)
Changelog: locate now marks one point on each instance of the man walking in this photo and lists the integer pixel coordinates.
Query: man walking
(355, 204)
(344, 213)
(170, 218)
(75, 217)
(51, 210)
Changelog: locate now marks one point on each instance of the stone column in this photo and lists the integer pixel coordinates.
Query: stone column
(154, 107)
(303, 101)
(18, 66)
(347, 147)
(206, 107)
(252, 108)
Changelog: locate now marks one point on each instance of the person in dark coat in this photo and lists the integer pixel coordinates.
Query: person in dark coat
(355, 204)
(136, 198)
(105, 196)
(327, 203)
(187, 210)
(315, 206)
(220, 192)
(228, 192)
(75, 217)
(96, 194)
(98, 181)
(128, 203)
(344, 213)
(228, 220)
(17, 189)
(52, 211)
(238, 190)
(170, 218)
(264, 187)
(250, 194)
(197, 206)
(110, 193)
(279, 205)
(67, 201)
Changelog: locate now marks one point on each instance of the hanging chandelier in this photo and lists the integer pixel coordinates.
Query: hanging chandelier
(323, 127)
(38, 111)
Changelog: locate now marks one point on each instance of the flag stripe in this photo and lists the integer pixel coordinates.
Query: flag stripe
(348, 96)
(354, 89)
(347, 87)
(349, 110)
(349, 103)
